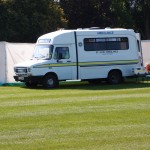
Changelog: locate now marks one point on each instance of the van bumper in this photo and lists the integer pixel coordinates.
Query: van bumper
(32, 79)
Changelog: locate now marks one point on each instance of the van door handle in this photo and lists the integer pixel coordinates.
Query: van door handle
(68, 61)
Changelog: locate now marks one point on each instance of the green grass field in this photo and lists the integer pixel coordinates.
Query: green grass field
(76, 116)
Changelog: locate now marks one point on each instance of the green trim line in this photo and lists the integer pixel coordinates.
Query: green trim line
(55, 65)
(91, 64)
(108, 63)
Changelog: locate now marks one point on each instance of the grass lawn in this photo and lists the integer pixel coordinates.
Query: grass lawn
(76, 116)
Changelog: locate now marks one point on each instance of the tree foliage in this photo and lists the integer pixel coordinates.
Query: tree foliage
(141, 13)
(123, 13)
(133, 14)
(25, 20)
(87, 13)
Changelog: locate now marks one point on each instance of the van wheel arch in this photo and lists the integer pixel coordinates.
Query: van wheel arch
(51, 73)
(115, 76)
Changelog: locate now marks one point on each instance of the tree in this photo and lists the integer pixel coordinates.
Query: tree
(141, 14)
(123, 14)
(87, 13)
(26, 20)
(4, 15)
(133, 14)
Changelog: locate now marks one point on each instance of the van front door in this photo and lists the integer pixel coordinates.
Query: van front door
(62, 63)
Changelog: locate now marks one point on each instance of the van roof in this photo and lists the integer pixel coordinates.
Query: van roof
(67, 34)
(55, 33)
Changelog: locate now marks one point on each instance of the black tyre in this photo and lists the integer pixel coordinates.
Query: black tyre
(115, 77)
(50, 81)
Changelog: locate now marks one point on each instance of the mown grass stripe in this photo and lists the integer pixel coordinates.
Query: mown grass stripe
(77, 116)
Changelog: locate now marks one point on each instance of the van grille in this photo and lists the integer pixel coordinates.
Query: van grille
(21, 70)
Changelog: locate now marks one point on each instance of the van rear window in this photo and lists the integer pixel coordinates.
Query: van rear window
(113, 43)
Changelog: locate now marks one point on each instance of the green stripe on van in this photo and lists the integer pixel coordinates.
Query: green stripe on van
(90, 64)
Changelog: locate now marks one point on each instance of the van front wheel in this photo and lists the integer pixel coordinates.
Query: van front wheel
(115, 77)
(50, 81)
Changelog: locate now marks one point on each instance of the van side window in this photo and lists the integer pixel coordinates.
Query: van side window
(112, 43)
(61, 53)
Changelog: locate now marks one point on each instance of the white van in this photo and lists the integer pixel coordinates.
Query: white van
(82, 54)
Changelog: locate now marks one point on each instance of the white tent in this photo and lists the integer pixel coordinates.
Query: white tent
(146, 51)
(10, 54)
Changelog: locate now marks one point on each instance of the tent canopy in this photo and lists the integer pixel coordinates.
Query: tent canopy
(10, 54)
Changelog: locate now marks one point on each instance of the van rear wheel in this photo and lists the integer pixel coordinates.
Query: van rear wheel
(115, 77)
(50, 81)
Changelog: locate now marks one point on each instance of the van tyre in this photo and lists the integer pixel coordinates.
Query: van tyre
(50, 81)
(115, 77)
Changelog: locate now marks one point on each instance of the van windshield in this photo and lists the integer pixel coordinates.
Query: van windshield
(43, 52)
